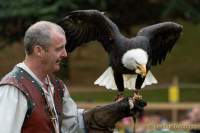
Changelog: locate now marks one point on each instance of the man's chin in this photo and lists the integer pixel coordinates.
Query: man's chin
(56, 68)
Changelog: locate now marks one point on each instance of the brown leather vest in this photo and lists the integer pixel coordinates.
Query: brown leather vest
(38, 116)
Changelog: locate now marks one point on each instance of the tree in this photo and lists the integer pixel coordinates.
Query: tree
(17, 15)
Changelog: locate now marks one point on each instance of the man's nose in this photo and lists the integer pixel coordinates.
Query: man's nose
(64, 53)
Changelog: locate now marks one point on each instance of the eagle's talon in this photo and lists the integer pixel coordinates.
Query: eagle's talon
(137, 96)
(119, 97)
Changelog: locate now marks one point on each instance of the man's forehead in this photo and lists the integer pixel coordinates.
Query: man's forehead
(58, 37)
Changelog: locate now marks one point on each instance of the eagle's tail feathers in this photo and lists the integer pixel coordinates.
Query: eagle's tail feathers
(107, 80)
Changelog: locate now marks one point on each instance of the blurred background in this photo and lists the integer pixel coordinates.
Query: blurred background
(174, 99)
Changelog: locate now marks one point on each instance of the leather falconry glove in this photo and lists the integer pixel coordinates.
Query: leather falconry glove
(102, 119)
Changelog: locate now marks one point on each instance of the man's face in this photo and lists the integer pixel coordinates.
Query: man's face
(55, 53)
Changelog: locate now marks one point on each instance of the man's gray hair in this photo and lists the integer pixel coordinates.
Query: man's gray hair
(40, 34)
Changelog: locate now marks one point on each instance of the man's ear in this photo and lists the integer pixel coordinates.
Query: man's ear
(39, 51)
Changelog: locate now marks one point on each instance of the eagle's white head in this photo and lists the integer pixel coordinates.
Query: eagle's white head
(136, 59)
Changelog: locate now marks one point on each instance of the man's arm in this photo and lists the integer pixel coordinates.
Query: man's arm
(13, 107)
(102, 119)
(72, 116)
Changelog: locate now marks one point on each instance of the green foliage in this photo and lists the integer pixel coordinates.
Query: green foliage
(17, 15)
(33, 8)
(187, 9)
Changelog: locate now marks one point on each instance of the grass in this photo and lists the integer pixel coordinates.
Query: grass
(150, 95)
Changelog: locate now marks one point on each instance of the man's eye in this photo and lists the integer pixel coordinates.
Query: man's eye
(58, 49)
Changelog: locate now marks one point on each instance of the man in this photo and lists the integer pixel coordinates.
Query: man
(33, 100)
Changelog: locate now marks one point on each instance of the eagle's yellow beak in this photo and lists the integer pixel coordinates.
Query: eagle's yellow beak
(141, 70)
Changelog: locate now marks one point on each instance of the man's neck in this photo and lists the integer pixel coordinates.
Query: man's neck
(36, 68)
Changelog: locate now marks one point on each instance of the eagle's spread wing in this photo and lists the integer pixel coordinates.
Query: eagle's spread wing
(83, 26)
(162, 37)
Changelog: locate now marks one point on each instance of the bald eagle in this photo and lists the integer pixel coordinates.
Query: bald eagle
(130, 58)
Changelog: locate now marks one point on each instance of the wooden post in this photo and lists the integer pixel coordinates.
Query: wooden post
(174, 115)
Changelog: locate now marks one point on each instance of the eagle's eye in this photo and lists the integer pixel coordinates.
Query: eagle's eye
(137, 64)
